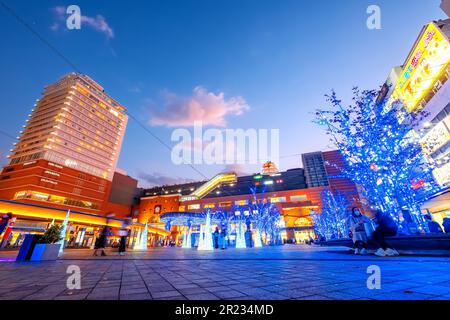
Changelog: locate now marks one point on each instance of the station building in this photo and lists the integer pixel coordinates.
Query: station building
(295, 192)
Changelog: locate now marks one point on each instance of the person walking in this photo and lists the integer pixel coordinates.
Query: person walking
(101, 242)
(216, 238)
(359, 235)
(386, 227)
(223, 235)
(122, 244)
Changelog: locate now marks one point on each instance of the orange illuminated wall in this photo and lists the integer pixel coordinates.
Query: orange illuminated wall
(46, 183)
(150, 208)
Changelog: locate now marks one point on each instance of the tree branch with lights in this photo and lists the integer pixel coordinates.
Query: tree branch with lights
(382, 153)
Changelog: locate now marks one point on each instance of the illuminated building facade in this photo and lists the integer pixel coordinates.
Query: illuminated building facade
(65, 159)
(67, 153)
(288, 190)
(421, 83)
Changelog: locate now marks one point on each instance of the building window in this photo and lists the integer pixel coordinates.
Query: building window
(299, 198)
(209, 206)
(277, 199)
(241, 202)
(193, 207)
(225, 204)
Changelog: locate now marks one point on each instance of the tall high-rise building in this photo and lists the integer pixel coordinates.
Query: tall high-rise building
(68, 150)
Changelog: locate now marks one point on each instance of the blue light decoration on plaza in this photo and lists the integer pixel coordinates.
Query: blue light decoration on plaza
(382, 155)
(332, 222)
(259, 217)
(63, 233)
(142, 240)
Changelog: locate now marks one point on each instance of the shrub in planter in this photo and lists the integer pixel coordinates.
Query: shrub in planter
(47, 248)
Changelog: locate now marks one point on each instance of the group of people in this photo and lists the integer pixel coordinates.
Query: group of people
(220, 235)
(360, 226)
(100, 243)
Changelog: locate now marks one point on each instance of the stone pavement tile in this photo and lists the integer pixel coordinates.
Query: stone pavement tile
(165, 294)
(433, 290)
(172, 298)
(337, 295)
(22, 294)
(293, 294)
(136, 296)
(243, 298)
(447, 298)
(185, 286)
(218, 288)
(72, 297)
(189, 291)
(270, 296)
(314, 297)
(228, 294)
(401, 295)
(201, 296)
(125, 291)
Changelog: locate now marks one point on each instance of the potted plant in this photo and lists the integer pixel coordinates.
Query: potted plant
(47, 248)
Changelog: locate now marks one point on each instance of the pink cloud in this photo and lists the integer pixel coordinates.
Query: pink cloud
(204, 106)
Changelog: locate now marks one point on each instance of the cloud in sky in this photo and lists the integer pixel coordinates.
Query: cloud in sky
(157, 179)
(98, 23)
(204, 106)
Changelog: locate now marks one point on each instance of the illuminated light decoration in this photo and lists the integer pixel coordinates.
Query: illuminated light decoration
(418, 184)
(438, 136)
(240, 236)
(257, 242)
(442, 174)
(257, 177)
(428, 60)
(63, 233)
(377, 148)
(206, 241)
(143, 239)
(268, 182)
(214, 183)
(332, 221)
(269, 168)
(37, 211)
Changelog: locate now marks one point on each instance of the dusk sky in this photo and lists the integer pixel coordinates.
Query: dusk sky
(243, 64)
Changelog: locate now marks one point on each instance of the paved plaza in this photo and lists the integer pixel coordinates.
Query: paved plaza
(288, 272)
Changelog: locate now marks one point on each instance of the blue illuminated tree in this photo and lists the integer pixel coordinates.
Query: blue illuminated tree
(332, 221)
(265, 216)
(381, 152)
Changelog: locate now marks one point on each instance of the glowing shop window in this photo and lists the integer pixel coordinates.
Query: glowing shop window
(299, 198)
(194, 206)
(241, 202)
(225, 204)
(181, 208)
(209, 206)
(277, 199)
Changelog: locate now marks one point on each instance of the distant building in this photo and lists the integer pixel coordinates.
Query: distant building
(67, 153)
(445, 6)
(65, 159)
(422, 83)
(291, 191)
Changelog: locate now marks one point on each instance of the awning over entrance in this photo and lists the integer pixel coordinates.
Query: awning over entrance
(43, 212)
(438, 203)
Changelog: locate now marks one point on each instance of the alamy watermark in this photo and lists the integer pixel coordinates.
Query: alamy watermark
(74, 279)
(374, 20)
(227, 146)
(73, 22)
(374, 279)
